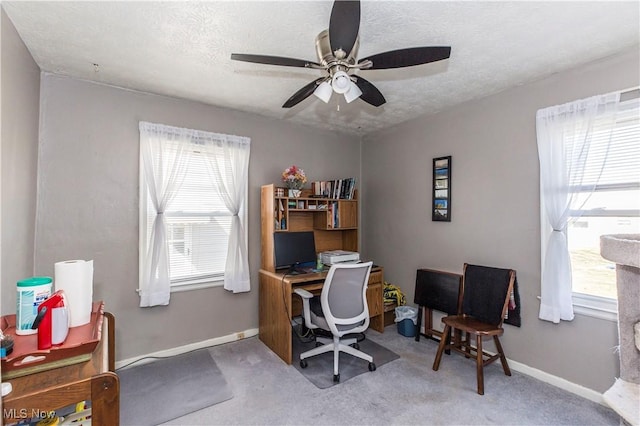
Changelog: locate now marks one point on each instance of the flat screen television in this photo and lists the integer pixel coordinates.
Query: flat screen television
(293, 249)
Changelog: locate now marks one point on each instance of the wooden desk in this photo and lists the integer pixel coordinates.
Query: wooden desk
(36, 394)
(277, 306)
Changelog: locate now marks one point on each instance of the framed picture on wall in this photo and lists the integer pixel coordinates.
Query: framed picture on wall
(441, 207)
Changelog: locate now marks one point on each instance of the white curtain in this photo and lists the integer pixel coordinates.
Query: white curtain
(564, 135)
(228, 161)
(165, 161)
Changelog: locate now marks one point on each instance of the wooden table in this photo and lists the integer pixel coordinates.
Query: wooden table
(277, 306)
(38, 394)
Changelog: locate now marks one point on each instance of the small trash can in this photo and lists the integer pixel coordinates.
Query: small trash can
(407, 320)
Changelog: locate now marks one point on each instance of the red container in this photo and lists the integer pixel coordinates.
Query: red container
(52, 321)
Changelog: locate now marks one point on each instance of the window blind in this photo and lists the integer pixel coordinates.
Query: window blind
(621, 156)
(198, 222)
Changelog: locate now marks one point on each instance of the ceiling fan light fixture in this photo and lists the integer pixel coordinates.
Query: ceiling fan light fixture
(337, 52)
(323, 92)
(353, 93)
(341, 82)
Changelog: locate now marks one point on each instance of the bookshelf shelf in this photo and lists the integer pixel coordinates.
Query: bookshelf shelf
(334, 222)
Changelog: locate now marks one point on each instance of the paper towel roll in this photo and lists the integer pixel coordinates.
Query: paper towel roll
(75, 277)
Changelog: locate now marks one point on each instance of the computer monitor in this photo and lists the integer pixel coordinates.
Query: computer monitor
(294, 249)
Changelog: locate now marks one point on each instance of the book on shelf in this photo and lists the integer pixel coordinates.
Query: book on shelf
(280, 224)
(333, 219)
(336, 189)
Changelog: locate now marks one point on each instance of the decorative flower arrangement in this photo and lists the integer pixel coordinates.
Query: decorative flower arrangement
(294, 177)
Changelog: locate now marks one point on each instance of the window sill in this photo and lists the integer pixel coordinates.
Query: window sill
(596, 307)
(197, 285)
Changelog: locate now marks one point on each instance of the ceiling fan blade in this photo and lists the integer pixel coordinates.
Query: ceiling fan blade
(303, 93)
(408, 57)
(370, 94)
(274, 60)
(344, 25)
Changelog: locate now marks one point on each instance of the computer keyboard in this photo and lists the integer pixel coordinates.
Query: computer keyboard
(300, 270)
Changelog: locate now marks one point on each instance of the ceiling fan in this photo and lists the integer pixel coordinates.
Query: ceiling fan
(337, 50)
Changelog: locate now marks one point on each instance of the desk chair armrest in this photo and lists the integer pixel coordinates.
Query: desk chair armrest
(306, 307)
(303, 293)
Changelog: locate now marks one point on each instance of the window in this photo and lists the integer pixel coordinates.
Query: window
(588, 152)
(612, 208)
(193, 197)
(198, 227)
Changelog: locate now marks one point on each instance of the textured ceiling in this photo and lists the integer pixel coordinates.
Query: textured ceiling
(182, 49)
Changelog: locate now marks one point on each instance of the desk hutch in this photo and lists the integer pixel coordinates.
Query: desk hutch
(305, 213)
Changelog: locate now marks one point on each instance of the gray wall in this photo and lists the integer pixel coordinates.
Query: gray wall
(495, 209)
(19, 156)
(88, 200)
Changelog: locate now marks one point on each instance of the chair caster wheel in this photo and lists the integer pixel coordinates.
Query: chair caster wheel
(355, 346)
(336, 378)
(372, 366)
(303, 363)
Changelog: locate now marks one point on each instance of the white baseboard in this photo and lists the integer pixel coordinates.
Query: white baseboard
(559, 382)
(190, 347)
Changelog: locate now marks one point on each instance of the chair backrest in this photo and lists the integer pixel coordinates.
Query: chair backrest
(486, 292)
(344, 298)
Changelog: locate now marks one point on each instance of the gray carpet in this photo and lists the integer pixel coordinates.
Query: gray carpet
(165, 389)
(403, 392)
(319, 369)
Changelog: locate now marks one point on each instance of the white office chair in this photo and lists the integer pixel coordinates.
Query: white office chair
(344, 310)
